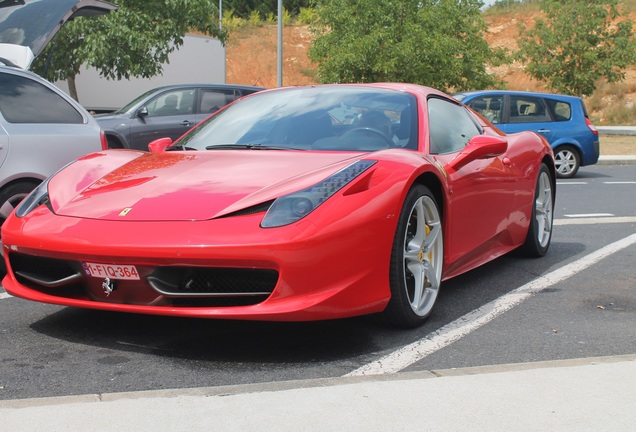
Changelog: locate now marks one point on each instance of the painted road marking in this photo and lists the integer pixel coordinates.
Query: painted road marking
(588, 215)
(600, 220)
(412, 353)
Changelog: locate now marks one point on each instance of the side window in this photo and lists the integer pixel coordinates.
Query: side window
(23, 100)
(178, 102)
(451, 126)
(488, 106)
(213, 100)
(525, 109)
(561, 111)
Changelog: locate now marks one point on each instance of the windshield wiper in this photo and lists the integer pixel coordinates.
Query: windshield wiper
(248, 147)
(180, 148)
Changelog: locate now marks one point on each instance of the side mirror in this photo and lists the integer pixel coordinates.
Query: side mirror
(479, 147)
(159, 145)
(142, 112)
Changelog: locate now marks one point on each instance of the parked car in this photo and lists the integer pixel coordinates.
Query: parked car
(561, 119)
(41, 128)
(167, 111)
(292, 204)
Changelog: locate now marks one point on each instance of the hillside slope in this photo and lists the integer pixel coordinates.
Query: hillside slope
(252, 59)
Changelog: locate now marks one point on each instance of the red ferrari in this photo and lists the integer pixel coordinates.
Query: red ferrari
(292, 204)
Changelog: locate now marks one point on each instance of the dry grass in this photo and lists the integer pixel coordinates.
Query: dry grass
(618, 145)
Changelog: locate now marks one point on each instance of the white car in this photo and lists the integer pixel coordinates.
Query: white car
(41, 128)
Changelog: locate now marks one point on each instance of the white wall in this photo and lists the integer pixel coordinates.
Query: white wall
(200, 59)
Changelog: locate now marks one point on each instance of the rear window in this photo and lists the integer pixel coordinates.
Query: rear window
(23, 100)
(562, 110)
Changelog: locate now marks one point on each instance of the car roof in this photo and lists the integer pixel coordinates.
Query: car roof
(206, 85)
(473, 93)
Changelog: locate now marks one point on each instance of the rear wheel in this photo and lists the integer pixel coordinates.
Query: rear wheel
(567, 161)
(416, 260)
(540, 229)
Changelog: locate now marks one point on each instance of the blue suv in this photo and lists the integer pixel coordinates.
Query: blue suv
(561, 119)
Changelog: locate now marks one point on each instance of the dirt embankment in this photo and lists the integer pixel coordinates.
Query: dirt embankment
(252, 59)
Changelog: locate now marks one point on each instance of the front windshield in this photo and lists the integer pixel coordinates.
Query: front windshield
(340, 118)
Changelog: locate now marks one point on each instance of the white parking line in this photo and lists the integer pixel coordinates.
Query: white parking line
(571, 183)
(412, 353)
(588, 215)
(620, 182)
(5, 295)
(595, 220)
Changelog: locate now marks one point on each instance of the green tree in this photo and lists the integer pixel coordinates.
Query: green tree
(244, 8)
(134, 41)
(432, 42)
(578, 42)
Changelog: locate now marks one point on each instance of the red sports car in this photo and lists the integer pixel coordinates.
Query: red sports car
(301, 203)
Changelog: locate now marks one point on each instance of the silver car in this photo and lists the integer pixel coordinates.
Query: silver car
(41, 128)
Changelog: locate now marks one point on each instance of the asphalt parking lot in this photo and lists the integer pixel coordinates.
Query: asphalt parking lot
(550, 339)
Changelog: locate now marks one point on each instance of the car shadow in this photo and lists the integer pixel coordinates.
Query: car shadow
(214, 340)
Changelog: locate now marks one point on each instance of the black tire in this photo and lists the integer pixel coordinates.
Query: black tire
(114, 143)
(416, 260)
(541, 221)
(10, 197)
(567, 161)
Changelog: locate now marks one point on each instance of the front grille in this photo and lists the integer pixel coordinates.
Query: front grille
(45, 271)
(159, 286)
(213, 282)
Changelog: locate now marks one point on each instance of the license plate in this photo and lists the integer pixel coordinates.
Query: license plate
(112, 271)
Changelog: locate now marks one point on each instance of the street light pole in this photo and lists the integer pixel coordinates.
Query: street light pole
(280, 43)
(224, 50)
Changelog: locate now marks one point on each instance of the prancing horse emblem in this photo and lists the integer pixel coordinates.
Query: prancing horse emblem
(108, 286)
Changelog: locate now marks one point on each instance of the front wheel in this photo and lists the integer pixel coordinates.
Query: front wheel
(10, 197)
(567, 161)
(416, 260)
(540, 229)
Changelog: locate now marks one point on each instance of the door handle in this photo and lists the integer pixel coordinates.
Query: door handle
(544, 131)
(186, 123)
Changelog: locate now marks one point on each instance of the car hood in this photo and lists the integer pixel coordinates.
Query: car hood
(184, 186)
(27, 26)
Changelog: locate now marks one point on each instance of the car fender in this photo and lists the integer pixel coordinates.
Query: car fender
(110, 133)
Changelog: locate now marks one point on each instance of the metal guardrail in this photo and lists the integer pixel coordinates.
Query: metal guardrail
(617, 130)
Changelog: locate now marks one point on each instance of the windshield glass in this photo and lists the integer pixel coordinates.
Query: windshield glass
(340, 118)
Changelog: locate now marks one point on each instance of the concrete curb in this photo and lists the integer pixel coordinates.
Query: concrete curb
(312, 383)
(617, 160)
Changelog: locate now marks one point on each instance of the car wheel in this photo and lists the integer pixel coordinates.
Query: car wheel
(567, 161)
(114, 143)
(416, 260)
(10, 197)
(540, 229)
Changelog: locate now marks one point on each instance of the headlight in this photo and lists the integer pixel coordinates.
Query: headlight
(293, 207)
(39, 196)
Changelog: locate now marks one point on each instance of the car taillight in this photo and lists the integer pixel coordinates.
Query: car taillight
(591, 126)
(102, 136)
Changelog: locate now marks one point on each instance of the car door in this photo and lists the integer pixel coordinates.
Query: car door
(169, 114)
(482, 191)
